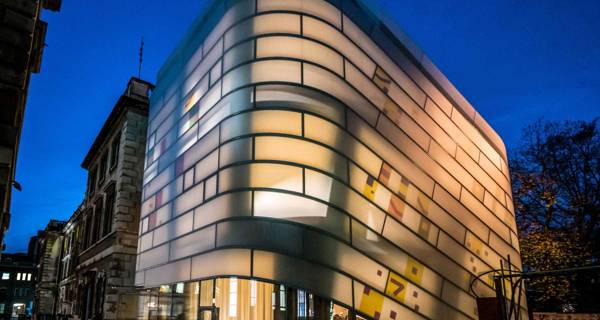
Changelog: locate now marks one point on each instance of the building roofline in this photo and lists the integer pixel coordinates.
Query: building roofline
(126, 102)
(386, 24)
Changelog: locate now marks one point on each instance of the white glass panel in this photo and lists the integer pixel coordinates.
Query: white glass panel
(300, 98)
(262, 71)
(460, 299)
(198, 151)
(203, 68)
(221, 262)
(479, 174)
(210, 187)
(364, 85)
(194, 96)
(286, 206)
(461, 175)
(485, 215)
(178, 271)
(189, 199)
(146, 241)
(215, 73)
(195, 242)
(228, 205)
(241, 53)
(153, 257)
(270, 121)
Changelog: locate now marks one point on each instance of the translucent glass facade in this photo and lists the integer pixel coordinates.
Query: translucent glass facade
(295, 159)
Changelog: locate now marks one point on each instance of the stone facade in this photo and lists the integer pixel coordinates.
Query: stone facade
(49, 248)
(98, 262)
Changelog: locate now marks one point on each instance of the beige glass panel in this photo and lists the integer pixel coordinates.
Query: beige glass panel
(234, 151)
(319, 8)
(375, 305)
(153, 257)
(264, 121)
(221, 262)
(460, 299)
(383, 250)
(263, 24)
(369, 187)
(178, 271)
(292, 47)
(261, 175)
(364, 85)
(330, 134)
(483, 251)
(505, 249)
(460, 213)
(342, 257)
(469, 129)
(198, 241)
(366, 44)
(478, 173)
(446, 222)
(239, 54)
(389, 154)
(485, 215)
(499, 211)
(494, 172)
(298, 151)
(326, 81)
(417, 155)
(438, 154)
(423, 251)
(225, 206)
(262, 71)
(189, 199)
(453, 131)
(321, 31)
(245, 299)
(206, 166)
(466, 259)
(300, 98)
(404, 122)
(302, 274)
(190, 302)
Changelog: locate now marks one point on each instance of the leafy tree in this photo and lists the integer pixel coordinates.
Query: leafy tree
(556, 174)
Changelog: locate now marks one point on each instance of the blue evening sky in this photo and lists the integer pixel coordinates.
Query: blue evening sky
(515, 61)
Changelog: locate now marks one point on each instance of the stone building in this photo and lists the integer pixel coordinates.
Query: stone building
(22, 41)
(49, 249)
(100, 238)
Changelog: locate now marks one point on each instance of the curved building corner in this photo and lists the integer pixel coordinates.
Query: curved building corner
(301, 164)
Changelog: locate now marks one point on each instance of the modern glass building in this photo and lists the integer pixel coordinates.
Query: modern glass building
(305, 161)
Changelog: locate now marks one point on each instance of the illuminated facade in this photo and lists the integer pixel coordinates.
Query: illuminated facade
(304, 162)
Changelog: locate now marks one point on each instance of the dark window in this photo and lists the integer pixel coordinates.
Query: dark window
(103, 164)
(114, 152)
(98, 212)
(92, 180)
(109, 212)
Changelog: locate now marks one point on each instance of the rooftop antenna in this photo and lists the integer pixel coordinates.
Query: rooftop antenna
(141, 58)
